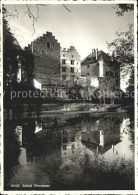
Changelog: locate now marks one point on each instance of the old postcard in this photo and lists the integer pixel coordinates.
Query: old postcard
(69, 97)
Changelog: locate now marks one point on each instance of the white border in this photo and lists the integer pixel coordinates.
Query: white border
(136, 133)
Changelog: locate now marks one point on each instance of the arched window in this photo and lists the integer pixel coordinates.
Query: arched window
(48, 45)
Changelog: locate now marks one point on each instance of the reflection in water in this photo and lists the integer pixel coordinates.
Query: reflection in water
(38, 126)
(22, 157)
(105, 135)
(59, 145)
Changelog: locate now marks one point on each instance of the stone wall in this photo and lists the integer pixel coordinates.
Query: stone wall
(46, 50)
(91, 70)
(108, 75)
(111, 76)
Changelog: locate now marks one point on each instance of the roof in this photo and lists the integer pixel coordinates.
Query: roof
(91, 58)
(101, 149)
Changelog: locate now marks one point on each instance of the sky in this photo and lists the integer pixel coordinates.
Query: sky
(86, 27)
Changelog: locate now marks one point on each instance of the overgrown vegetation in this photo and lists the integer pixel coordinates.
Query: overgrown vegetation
(97, 174)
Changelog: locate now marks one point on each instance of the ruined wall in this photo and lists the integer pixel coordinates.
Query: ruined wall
(46, 50)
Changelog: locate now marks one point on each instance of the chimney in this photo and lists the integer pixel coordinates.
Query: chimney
(113, 56)
(32, 45)
(97, 54)
(93, 54)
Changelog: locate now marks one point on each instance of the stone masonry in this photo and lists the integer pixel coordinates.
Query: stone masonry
(46, 51)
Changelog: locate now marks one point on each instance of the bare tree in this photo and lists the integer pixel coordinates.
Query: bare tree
(33, 16)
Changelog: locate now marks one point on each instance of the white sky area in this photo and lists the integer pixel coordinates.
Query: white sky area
(86, 27)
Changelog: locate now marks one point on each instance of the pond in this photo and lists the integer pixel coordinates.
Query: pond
(71, 152)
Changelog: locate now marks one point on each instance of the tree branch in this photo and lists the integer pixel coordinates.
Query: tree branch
(66, 8)
(31, 15)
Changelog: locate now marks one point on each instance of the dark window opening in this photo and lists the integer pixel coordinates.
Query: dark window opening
(48, 45)
(63, 61)
(63, 77)
(64, 147)
(87, 66)
(73, 146)
(87, 74)
(72, 77)
(64, 140)
(107, 73)
(64, 132)
(72, 70)
(73, 139)
(63, 69)
(72, 62)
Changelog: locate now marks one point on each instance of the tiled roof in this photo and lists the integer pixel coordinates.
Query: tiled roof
(92, 58)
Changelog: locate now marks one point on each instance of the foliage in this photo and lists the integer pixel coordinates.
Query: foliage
(123, 46)
(13, 59)
(96, 173)
(118, 175)
(74, 91)
(123, 8)
(11, 52)
(11, 146)
(27, 67)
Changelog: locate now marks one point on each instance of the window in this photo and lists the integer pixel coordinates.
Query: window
(73, 139)
(72, 69)
(72, 62)
(63, 61)
(63, 77)
(64, 140)
(63, 69)
(64, 147)
(63, 55)
(72, 56)
(87, 66)
(48, 45)
(64, 132)
(87, 74)
(107, 73)
(73, 146)
(72, 77)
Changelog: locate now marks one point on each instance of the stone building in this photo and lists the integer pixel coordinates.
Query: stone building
(99, 67)
(46, 51)
(70, 64)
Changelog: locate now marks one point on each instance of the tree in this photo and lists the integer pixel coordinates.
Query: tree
(123, 46)
(123, 8)
(11, 53)
(74, 91)
(31, 15)
(27, 67)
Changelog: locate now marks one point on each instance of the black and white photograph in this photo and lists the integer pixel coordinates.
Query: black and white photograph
(68, 104)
